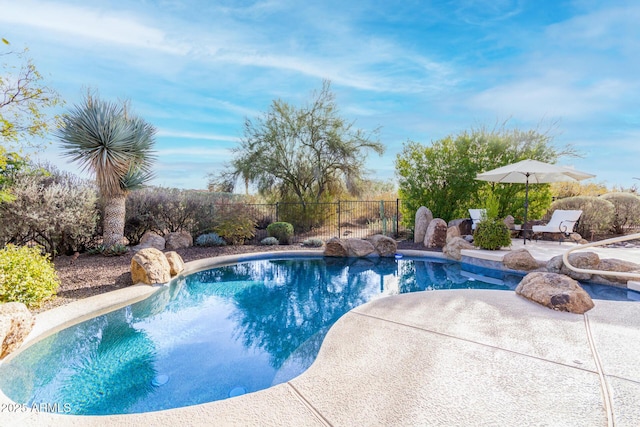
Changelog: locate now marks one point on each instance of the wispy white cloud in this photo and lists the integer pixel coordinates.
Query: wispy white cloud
(543, 97)
(165, 133)
(232, 108)
(608, 27)
(194, 151)
(487, 12)
(360, 61)
(578, 70)
(81, 22)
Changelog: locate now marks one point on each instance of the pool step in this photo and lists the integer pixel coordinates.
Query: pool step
(634, 285)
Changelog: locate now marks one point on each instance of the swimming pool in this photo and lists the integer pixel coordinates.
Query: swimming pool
(217, 333)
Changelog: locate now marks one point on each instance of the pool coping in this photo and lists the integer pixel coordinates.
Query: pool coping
(299, 408)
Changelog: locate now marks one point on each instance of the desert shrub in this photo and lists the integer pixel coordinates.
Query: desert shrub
(626, 210)
(27, 276)
(312, 243)
(597, 213)
(236, 230)
(269, 241)
(114, 250)
(176, 209)
(54, 209)
(305, 217)
(283, 231)
(210, 239)
(139, 214)
(164, 210)
(262, 213)
(217, 208)
(491, 234)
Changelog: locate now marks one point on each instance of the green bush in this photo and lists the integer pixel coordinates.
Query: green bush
(26, 276)
(283, 231)
(269, 241)
(236, 230)
(210, 239)
(626, 210)
(597, 213)
(491, 234)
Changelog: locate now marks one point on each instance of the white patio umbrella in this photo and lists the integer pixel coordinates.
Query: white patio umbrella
(535, 172)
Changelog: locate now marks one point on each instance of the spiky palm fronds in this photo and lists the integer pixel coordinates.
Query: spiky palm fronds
(104, 138)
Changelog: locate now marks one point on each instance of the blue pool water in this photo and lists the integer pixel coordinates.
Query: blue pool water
(220, 333)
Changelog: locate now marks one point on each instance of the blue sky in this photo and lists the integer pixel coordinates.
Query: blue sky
(420, 70)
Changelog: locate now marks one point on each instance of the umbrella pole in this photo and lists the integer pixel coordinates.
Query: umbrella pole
(526, 207)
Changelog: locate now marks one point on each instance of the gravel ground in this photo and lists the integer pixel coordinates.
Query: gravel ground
(90, 275)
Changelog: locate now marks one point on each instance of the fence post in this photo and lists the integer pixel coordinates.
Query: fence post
(339, 221)
(397, 218)
(383, 217)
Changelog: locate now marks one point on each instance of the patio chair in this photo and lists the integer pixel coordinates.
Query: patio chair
(477, 215)
(562, 221)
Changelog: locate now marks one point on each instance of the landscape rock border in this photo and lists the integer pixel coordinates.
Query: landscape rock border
(378, 245)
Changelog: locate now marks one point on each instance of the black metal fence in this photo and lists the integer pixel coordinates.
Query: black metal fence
(357, 218)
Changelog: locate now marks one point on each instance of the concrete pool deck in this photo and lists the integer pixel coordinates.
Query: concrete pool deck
(459, 357)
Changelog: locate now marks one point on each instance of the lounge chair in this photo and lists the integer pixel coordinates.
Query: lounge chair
(477, 215)
(561, 221)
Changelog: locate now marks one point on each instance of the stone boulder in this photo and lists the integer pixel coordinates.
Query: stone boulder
(612, 264)
(423, 219)
(178, 240)
(555, 291)
(150, 266)
(520, 260)
(335, 247)
(463, 225)
(359, 248)
(436, 236)
(176, 264)
(150, 240)
(16, 321)
(384, 246)
(577, 238)
(452, 232)
(454, 247)
(509, 221)
(586, 260)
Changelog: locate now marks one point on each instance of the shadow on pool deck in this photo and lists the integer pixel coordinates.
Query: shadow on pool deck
(459, 357)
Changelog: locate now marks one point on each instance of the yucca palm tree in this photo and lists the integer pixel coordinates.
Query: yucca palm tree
(116, 147)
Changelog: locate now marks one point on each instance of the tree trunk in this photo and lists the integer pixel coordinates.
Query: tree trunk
(113, 221)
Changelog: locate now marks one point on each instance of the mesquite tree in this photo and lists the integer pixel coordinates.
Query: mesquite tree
(306, 154)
